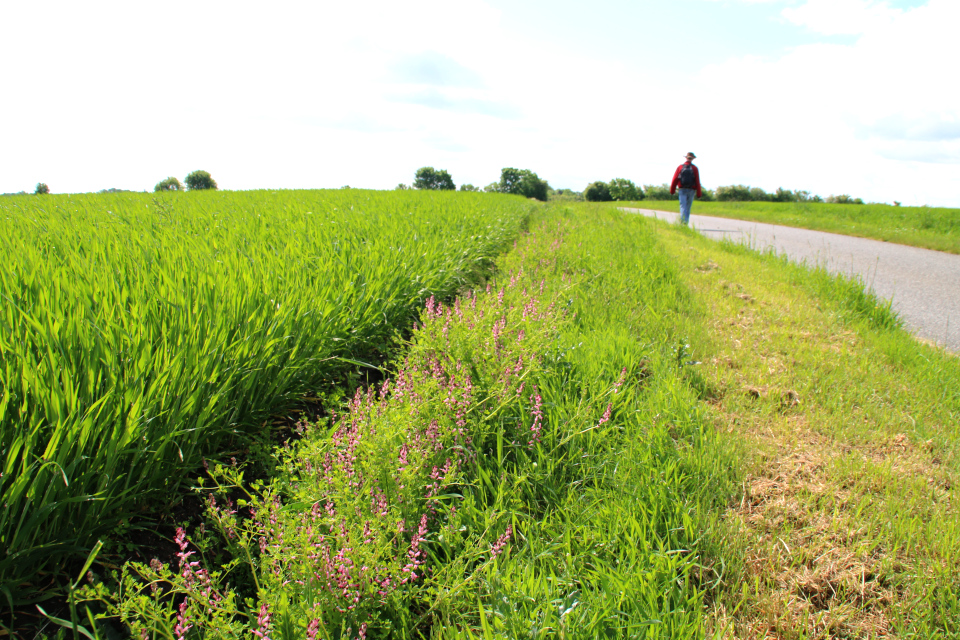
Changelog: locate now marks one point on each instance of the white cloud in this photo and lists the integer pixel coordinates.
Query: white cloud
(313, 94)
(842, 17)
(867, 118)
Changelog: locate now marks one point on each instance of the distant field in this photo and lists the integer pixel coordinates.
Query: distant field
(926, 227)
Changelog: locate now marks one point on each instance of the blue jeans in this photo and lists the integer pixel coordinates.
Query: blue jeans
(686, 200)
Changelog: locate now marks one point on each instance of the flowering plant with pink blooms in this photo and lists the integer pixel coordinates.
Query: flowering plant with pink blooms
(386, 515)
(365, 519)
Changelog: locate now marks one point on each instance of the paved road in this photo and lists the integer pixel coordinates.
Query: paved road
(924, 285)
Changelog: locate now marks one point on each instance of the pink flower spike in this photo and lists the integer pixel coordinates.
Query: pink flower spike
(606, 415)
(263, 623)
(620, 380)
(501, 542)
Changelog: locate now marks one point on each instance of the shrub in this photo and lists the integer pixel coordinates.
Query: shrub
(199, 180)
(783, 195)
(468, 187)
(169, 184)
(759, 195)
(733, 193)
(565, 195)
(41, 189)
(622, 189)
(662, 192)
(522, 182)
(433, 180)
(401, 187)
(597, 192)
(844, 199)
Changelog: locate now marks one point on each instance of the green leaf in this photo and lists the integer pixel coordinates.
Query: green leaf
(67, 624)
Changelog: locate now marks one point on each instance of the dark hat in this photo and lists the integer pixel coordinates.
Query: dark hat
(691, 154)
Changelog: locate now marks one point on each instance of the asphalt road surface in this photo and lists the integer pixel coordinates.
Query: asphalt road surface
(924, 285)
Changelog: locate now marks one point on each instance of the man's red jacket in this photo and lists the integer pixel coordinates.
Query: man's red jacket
(676, 178)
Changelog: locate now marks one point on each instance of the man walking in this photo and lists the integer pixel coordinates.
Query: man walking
(687, 177)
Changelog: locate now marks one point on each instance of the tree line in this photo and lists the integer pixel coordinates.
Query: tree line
(621, 189)
(195, 181)
(521, 182)
(528, 184)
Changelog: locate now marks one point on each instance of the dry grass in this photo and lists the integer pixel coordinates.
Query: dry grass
(847, 519)
(818, 570)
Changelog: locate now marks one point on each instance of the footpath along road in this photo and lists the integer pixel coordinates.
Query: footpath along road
(923, 285)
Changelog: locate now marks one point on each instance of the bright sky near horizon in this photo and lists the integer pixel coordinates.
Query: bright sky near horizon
(829, 96)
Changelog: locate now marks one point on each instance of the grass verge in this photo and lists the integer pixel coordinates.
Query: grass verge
(536, 465)
(848, 524)
(925, 227)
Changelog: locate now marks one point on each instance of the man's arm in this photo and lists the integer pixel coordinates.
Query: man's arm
(696, 172)
(676, 180)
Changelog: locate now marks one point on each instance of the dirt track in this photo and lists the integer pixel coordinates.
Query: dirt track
(924, 285)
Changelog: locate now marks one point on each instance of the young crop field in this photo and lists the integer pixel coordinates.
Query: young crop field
(141, 333)
(925, 227)
(616, 428)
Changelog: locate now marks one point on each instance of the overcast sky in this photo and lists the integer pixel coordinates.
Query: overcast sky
(832, 96)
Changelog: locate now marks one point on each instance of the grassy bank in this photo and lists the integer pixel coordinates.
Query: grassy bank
(926, 227)
(537, 464)
(848, 525)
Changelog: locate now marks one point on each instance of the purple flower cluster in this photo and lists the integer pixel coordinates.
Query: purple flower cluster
(536, 429)
(502, 542)
(376, 491)
(606, 415)
(200, 595)
(264, 624)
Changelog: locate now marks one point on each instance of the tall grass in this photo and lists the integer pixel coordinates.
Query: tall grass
(926, 227)
(141, 332)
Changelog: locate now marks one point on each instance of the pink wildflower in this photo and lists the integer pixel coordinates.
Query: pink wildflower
(501, 542)
(537, 412)
(263, 623)
(606, 415)
(182, 618)
(620, 380)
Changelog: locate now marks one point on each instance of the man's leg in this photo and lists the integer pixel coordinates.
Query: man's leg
(686, 200)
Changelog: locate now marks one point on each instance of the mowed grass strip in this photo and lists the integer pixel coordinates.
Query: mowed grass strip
(848, 524)
(141, 332)
(926, 227)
